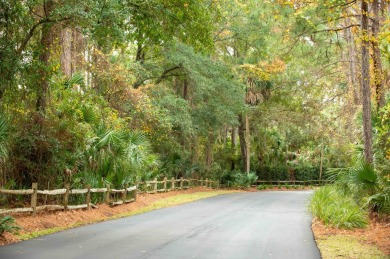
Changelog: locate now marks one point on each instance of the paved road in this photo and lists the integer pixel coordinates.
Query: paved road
(242, 225)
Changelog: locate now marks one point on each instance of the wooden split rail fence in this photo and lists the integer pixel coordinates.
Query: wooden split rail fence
(174, 184)
(309, 182)
(143, 187)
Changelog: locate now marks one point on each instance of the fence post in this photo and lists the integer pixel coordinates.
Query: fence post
(136, 191)
(207, 181)
(173, 184)
(165, 184)
(181, 183)
(34, 195)
(88, 198)
(124, 194)
(155, 185)
(66, 196)
(108, 193)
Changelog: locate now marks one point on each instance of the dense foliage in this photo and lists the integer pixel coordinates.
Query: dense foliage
(96, 92)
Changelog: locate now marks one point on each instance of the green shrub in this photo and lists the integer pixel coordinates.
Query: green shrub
(7, 225)
(273, 173)
(243, 180)
(227, 177)
(286, 173)
(305, 173)
(380, 201)
(238, 179)
(337, 209)
(369, 188)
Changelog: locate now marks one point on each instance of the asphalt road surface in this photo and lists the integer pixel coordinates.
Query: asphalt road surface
(241, 225)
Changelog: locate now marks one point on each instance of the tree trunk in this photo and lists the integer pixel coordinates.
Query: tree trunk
(185, 90)
(321, 161)
(43, 84)
(248, 143)
(241, 135)
(354, 85)
(376, 56)
(366, 92)
(66, 53)
(234, 141)
(140, 56)
(79, 56)
(184, 141)
(209, 151)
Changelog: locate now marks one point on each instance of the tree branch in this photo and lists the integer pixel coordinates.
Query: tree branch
(164, 75)
(31, 33)
(166, 72)
(341, 5)
(337, 29)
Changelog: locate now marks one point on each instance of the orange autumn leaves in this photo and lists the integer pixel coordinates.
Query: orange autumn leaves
(264, 70)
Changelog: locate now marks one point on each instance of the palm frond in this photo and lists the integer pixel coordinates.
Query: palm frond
(4, 137)
(75, 79)
(366, 176)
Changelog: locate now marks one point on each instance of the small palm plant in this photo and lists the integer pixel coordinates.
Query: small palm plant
(118, 156)
(7, 225)
(4, 137)
(367, 186)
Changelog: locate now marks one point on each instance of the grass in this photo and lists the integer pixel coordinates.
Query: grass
(347, 247)
(43, 232)
(336, 209)
(163, 203)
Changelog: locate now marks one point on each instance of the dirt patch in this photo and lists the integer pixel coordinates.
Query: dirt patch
(58, 220)
(376, 234)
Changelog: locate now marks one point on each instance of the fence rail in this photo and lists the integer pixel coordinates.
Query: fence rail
(110, 195)
(308, 182)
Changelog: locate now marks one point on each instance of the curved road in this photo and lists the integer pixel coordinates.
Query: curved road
(241, 225)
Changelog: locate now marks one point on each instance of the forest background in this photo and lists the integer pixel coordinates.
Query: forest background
(112, 91)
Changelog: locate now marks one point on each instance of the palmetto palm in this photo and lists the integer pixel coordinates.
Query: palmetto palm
(118, 155)
(4, 138)
(368, 188)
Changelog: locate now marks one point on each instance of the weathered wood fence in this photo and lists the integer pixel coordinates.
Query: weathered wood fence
(109, 193)
(174, 184)
(309, 182)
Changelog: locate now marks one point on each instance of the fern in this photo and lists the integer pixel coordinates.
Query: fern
(7, 225)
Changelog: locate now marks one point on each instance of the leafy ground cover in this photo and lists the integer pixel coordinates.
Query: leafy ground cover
(343, 228)
(370, 242)
(337, 209)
